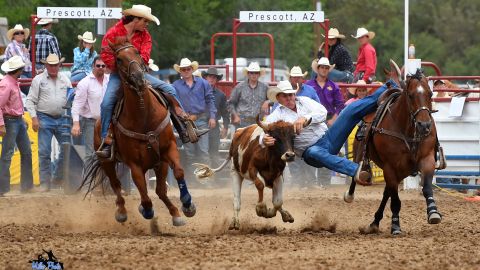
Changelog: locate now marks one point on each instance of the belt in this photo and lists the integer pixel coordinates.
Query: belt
(199, 115)
(9, 116)
(46, 114)
(248, 119)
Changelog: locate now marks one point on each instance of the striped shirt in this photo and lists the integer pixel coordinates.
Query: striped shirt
(16, 48)
(45, 44)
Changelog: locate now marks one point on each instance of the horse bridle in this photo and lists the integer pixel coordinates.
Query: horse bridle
(414, 114)
(138, 91)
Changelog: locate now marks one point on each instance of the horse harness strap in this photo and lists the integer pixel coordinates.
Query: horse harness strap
(397, 135)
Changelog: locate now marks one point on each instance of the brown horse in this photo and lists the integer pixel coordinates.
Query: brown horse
(402, 144)
(144, 140)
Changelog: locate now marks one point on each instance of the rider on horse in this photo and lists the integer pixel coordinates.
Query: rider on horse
(133, 27)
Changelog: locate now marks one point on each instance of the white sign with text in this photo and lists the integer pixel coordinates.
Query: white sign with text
(282, 16)
(79, 13)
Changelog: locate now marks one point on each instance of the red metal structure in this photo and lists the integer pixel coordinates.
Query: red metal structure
(34, 20)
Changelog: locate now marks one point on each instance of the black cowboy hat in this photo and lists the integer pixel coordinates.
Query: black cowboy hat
(212, 71)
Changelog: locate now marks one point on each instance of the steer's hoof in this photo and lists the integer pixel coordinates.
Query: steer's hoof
(261, 209)
(347, 197)
(178, 221)
(286, 217)
(146, 213)
(189, 211)
(234, 225)
(434, 218)
(120, 217)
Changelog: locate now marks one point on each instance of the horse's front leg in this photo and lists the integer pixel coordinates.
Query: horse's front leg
(138, 174)
(427, 167)
(109, 168)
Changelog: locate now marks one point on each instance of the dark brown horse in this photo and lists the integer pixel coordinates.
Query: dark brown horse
(402, 144)
(144, 140)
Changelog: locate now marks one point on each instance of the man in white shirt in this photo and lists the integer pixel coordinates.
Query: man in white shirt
(317, 144)
(86, 105)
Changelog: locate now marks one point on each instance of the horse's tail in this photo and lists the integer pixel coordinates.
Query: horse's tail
(204, 171)
(93, 174)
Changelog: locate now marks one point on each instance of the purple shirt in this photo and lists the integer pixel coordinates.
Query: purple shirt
(330, 96)
(197, 99)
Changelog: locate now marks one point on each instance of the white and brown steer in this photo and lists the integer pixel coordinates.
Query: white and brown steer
(262, 165)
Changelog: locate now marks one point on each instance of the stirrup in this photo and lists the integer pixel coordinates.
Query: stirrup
(112, 150)
(192, 135)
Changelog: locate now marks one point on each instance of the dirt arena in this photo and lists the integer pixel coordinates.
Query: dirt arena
(84, 235)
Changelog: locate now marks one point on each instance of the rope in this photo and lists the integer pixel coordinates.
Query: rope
(452, 193)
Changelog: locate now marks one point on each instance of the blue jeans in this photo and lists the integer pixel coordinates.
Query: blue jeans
(78, 76)
(199, 151)
(87, 126)
(16, 134)
(112, 93)
(324, 152)
(50, 127)
(340, 76)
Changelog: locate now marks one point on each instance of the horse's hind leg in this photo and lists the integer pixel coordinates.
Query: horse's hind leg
(145, 208)
(374, 226)
(349, 195)
(188, 207)
(161, 172)
(109, 168)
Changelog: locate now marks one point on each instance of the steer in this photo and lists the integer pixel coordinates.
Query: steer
(262, 165)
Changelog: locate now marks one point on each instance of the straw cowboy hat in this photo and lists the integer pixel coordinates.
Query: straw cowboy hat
(12, 64)
(282, 87)
(46, 21)
(87, 37)
(52, 59)
(143, 12)
(353, 90)
(185, 62)
(296, 71)
(212, 71)
(364, 32)
(321, 62)
(254, 67)
(152, 66)
(18, 28)
(334, 33)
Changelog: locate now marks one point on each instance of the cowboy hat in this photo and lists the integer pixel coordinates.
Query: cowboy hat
(282, 87)
(152, 66)
(143, 12)
(353, 90)
(254, 67)
(212, 71)
(87, 37)
(296, 71)
(52, 59)
(197, 73)
(46, 21)
(12, 64)
(321, 62)
(364, 32)
(18, 28)
(334, 33)
(185, 62)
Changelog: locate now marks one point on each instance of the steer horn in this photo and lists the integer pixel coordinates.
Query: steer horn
(259, 123)
(307, 123)
(397, 75)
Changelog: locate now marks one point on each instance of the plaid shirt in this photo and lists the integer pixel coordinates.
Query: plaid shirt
(45, 43)
(16, 48)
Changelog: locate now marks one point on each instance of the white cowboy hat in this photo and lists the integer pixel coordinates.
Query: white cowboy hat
(364, 32)
(296, 71)
(282, 87)
(45, 21)
(197, 73)
(185, 62)
(334, 33)
(87, 37)
(321, 62)
(12, 64)
(18, 28)
(353, 90)
(254, 67)
(152, 66)
(143, 12)
(52, 59)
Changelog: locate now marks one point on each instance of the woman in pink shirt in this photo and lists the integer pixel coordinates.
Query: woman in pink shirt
(367, 56)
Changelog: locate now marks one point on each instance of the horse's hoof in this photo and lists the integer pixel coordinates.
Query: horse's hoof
(371, 229)
(178, 221)
(396, 232)
(434, 218)
(147, 214)
(286, 216)
(348, 198)
(261, 209)
(189, 211)
(121, 218)
(234, 225)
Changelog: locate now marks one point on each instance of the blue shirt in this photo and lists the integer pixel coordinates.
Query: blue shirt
(305, 91)
(82, 61)
(197, 99)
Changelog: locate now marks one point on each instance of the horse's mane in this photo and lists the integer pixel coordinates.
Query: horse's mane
(418, 75)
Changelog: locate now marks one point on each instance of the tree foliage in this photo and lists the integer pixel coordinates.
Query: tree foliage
(444, 32)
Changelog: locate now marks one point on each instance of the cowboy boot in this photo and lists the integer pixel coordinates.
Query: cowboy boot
(185, 127)
(105, 149)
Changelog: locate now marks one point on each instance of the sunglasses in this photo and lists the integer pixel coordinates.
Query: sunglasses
(185, 69)
(256, 73)
(100, 66)
(18, 33)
